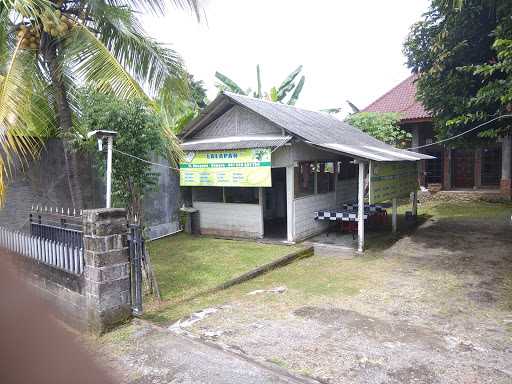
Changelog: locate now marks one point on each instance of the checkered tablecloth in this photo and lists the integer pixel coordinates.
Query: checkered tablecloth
(371, 208)
(338, 214)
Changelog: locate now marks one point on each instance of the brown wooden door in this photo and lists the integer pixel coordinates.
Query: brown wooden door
(463, 168)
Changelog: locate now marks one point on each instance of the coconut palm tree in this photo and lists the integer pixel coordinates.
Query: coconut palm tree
(277, 94)
(49, 48)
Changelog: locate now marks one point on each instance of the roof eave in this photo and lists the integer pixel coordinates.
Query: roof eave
(215, 109)
(412, 120)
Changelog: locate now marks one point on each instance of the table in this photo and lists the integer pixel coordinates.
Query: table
(348, 215)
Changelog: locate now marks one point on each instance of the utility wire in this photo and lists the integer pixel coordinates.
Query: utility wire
(461, 134)
(144, 160)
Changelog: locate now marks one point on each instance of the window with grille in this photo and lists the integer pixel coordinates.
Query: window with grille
(491, 166)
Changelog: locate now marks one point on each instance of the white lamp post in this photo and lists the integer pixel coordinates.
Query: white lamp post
(109, 136)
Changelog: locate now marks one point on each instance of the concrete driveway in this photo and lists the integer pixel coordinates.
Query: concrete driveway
(142, 353)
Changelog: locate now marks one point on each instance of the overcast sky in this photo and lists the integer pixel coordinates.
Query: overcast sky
(350, 50)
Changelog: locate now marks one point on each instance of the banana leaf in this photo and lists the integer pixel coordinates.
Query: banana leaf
(230, 84)
(258, 79)
(297, 91)
(284, 88)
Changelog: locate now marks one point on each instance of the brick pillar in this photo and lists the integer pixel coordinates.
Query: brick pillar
(107, 268)
(447, 165)
(506, 167)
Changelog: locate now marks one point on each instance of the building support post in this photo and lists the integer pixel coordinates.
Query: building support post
(261, 200)
(478, 168)
(447, 169)
(360, 209)
(415, 204)
(394, 215)
(290, 195)
(506, 167)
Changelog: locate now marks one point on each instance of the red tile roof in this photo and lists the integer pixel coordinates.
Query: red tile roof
(401, 99)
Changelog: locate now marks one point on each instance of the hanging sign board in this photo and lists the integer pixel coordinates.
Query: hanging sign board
(394, 179)
(227, 168)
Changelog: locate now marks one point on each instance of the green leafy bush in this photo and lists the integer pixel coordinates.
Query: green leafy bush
(382, 126)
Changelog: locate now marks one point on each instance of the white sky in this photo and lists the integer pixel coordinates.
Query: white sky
(350, 50)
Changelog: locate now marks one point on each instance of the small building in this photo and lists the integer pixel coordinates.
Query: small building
(258, 169)
(483, 167)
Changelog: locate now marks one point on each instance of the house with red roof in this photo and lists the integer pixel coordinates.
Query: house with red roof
(453, 168)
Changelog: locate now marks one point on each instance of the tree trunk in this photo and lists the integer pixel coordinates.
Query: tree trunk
(65, 123)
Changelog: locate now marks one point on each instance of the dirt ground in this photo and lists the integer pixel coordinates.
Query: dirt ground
(439, 310)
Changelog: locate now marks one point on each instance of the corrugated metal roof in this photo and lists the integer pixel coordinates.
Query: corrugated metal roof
(316, 128)
(235, 142)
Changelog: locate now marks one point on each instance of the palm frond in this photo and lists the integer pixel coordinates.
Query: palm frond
(149, 62)
(4, 36)
(157, 7)
(172, 143)
(297, 91)
(229, 84)
(22, 111)
(94, 64)
(28, 8)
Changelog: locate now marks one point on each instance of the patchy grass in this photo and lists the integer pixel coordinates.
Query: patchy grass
(188, 265)
(310, 279)
(378, 239)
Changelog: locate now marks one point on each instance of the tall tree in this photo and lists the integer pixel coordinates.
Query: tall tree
(139, 135)
(277, 94)
(452, 49)
(47, 47)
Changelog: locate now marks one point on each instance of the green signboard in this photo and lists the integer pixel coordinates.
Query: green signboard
(392, 179)
(227, 168)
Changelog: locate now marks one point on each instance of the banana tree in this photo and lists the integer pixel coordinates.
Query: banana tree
(49, 48)
(277, 94)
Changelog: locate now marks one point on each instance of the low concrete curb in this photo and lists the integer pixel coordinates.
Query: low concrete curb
(287, 259)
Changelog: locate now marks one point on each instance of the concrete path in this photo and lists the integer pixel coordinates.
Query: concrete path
(143, 353)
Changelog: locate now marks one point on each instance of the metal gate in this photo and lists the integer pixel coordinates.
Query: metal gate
(136, 245)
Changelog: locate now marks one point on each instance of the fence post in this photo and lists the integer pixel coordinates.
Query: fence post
(107, 268)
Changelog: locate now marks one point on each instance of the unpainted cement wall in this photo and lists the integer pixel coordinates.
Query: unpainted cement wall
(230, 219)
(304, 208)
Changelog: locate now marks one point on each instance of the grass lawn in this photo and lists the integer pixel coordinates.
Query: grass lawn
(186, 265)
(309, 279)
(467, 210)
(184, 268)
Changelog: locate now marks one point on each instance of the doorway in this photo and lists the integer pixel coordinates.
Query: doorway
(274, 206)
(463, 168)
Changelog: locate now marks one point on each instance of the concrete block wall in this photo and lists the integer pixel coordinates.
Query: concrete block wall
(304, 210)
(43, 182)
(100, 298)
(346, 191)
(230, 219)
(63, 291)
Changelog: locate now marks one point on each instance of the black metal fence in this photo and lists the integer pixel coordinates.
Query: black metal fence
(136, 246)
(58, 225)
